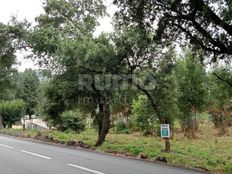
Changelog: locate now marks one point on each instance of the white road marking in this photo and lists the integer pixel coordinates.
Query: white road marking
(85, 169)
(34, 154)
(3, 145)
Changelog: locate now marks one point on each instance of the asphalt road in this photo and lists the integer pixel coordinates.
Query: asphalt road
(25, 157)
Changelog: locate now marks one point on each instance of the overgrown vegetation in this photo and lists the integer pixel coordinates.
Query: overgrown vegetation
(72, 121)
(129, 81)
(208, 151)
(143, 118)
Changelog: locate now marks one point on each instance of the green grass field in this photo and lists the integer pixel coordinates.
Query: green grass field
(207, 151)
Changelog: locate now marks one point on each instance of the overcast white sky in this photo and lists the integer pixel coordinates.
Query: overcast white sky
(29, 9)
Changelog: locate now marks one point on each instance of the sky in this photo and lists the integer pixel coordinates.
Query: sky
(29, 9)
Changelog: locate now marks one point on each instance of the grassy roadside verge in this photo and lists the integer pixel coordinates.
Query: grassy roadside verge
(208, 152)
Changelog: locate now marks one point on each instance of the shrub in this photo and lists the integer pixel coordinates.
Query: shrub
(143, 117)
(72, 121)
(122, 128)
(11, 111)
(221, 118)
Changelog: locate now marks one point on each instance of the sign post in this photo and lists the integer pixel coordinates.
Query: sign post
(165, 133)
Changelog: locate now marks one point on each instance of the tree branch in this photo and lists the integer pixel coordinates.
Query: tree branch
(215, 18)
(223, 80)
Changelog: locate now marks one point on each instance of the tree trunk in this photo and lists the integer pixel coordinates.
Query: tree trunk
(4, 124)
(223, 126)
(103, 123)
(1, 122)
(190, 127)
(10, 125)
(172, 131)
(167, 145)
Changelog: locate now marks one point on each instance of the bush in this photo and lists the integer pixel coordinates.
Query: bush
(11, 111)
(221, 118)
(143, 118)
(72, 121)
(122, 128)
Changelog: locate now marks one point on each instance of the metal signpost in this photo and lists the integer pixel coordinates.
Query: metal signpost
(165, 134)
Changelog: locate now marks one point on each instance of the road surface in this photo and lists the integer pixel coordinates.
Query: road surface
(26, 157)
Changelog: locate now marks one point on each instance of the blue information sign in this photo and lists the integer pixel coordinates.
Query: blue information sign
(165, 130)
